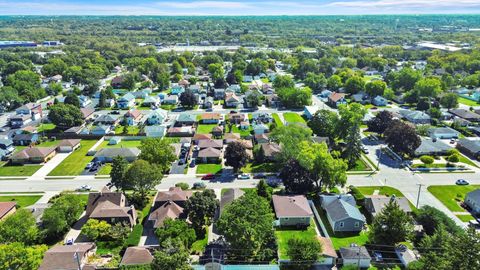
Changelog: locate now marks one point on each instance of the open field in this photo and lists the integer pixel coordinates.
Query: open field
(76, 161)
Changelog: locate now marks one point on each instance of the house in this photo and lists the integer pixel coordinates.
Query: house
(87, 113)
(186, 131)
(177, 90)
(155, 131)
(19, 120)
(469, 147)
(25, 139)
(244, 125)
(432, 147)
(472, 199)
(356, 255)
(195, 88)
(219, 93)
(67, 257)
(108, 154)
(100, 130)
(126, 101)
(142, 94)
(328, 251)
(260, 129)
(229, 196)
(231, 100)
(210, 143)
(133, 117)
(270, 150)
(209, 155)
(210, 118)
(114, 140)
(208, 103)
(107, 119)
(416, 117)
(32, 109)
(292, 210)
(29, 129)
(336, 99)
(380, 101)
(325, 93)
(6, 148)
(342, 213)
(84, 101)
(111, 207)
(168, 204)
(157, 117)
(260, 117)
(151, 101)
(198, 137)
(374, 204)
(443, 133)
(309, 111)
(67, 146)
(33, 155)
(7, 209)
(117, 82)
(217, 131)
(186, 119)
(136, 256)
(170, 100)
(272, 100)
(236, 118)
(466, 114)
(261, 138)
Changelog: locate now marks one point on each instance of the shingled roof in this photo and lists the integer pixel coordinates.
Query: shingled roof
(136, 256)
(291, 206)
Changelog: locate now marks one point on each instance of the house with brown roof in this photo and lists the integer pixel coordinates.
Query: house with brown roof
(270, 150)
(110, 207)
(33, 155)
(185, 131)
(292, 210)
(217, 131)
(336, 99)
(66, 146)
(329, 255)
(210, 118)
(231, 100)
(64, 257)
(136, 256)
(209, 155)
(134, 117)
(261, 138)
(7, 209)
(117, 82)
(168, 204)
(231, 137)
(236, 118)
(87, 113)
(374, 204)
(198, 137)
(210, 143)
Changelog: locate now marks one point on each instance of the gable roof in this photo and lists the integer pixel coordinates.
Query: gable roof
(117, 151)
(136, 255)
(379, 202)
(5, 207)
(231, 97)
(429, 146)
(34, 152)
(270, 149)
(69, 142)
(134, 114)
(173, 194)
(210, 153)
(339, 210)
(231, 136)
(354, 253)
(94, 198)
(62, 257)
(210, 116)
(472, 145)
(186, 117)
(199, 136)
(334, 97)
(86, 112)
(291, 206)
(474, 195)
(466, 114)
(210, 143)
(167, 210)
(127, 97)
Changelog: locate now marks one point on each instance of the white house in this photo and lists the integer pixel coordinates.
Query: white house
(309, 111)
(443, 133)
(472, 199)
(380, 101)
(260, 129)
(356, 255)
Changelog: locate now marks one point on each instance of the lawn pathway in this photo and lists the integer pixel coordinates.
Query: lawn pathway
(280, 116)
(49, 166)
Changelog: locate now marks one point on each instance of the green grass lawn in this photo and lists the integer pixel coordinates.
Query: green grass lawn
(46, 127)
(448, 195)
(132, 130)
(75, 163)
(22, 201)
(283, 235)
(465, 218)
(25, 170)
(208, 168)
(105, 170)
(243, 132)
(134, 237)
(205, 129)
(467, 101)
(199, 245)
(121, 144)
(383, 190)
(257, 168)
(360, 165)
(277, 120)
(53, 143)
(293, 118)
(466, 160)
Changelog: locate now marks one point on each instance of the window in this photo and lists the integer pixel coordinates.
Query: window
(357, 224)
(341, 224)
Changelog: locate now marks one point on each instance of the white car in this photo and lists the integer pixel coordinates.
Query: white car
(243, 176)
(84, 188)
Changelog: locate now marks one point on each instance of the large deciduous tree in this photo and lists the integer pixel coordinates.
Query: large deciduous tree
(391, 226)
(172, 256)
(324, 124)
(402, 138)
(18, 256)
(188, 99)
(354, 85)
(289, 138)
(117, 174)
(19, 227)
(304, 253)
(65, 115)
(380, 122)
(296, 178)
(157, 151)
(236, 155)
(375, 88)
(449, 100)
(175, 229)
(201, 208)
(143, 176)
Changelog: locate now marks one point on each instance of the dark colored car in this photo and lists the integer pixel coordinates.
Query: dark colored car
(199, 185)
(192, 163)
(208, 177)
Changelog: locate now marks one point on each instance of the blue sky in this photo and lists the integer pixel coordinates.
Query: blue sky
(235, 7)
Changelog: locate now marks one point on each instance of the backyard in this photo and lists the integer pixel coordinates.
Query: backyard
(466, 101)
(205, 129)
(121, 144)
(75, 163)
(277, 120)
(132, 130)
(243, 132)
(293, 118)
(285, 234)
(22, 201)
(209, 168)
(452, 196)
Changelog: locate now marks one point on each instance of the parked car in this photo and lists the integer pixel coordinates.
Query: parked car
(89, 165)
(192, 163)
(115, 112)
(452, 141)
(199, 185)
(378, 256)
(461, 182)
(209, 176)
(365, 150)
(259, 176)
(84, 188)
(243, 176)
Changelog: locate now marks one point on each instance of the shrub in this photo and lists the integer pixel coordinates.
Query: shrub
(359, 197)
(453, 151)
(453, 158)
(427, 159)
(183, 186)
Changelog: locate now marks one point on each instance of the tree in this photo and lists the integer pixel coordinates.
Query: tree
(391, 226)
(405, 79)
(295, 97)
(327, 171)
(350, 118)
(289, 138)
(334, 82)
(18, 256)
(157, 151)
(95, 229)
(283, 81)
(54, 88)
(295, 178)
(55, 66)
(19, 227)
(91, 87)
(428, 87)
(172, 256)
(201, 208)
(246, 224)
(375, 88)
(304, 253)
(402, 138)
(65, 115)
(315, 81)
(130, 80)
(431, 219)
(434, 251)
(117, 174)
(175, 229)
(449, 100)
(64, 211)
(162, 79)
(253, 98)
(423, 104)
(143, 176)
(354, 85)
(427, 159)
(324, 124)
(380, 122)
(188, 99)
(217, 71)
(72, 99)
(464, 250)
(256, 66)
(236, 155)
(263, 190)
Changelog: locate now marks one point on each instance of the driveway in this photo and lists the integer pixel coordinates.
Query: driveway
(50, 165)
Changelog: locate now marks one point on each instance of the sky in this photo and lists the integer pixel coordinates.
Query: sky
(236, 7)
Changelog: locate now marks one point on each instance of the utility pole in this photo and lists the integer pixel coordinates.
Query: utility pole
(419, 189)
(77, 258)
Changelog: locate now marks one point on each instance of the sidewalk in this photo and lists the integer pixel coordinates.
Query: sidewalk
(49, 166)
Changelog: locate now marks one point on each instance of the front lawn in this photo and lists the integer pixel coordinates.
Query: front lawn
(452, 196)
(243, 132)
(46, 127)
(132, 130)
(105, 170)
(293, 118)
(75, 163)
(283, 235)
(209, 168)
(19, 170)
(260, 168)
(22, 201)
(205, 129)
(121, 144)
(465, 218)
(360, 165)
(383, 190)
(466, 101)
(277, 120)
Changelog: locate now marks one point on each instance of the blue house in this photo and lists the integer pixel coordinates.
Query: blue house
(260, 129)
(380, 101)
(156, 117)
(100, 130)
(84, 101)
(155, 131)
(126, 101)
(25, 139)
(309, 111)
(177, 90)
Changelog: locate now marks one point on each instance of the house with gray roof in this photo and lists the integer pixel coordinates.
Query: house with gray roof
(151, 101)
(292, 210)
(107, 119)
(108, 154)
(229, 196)
(432, 147)
(443, 133)
(343, 214)
(186, 119)
(466, 114)
(374, 204)
(416, 117)
(469, 147)
(355, 255)
(155, 131)
(472, 199)
(126, 101)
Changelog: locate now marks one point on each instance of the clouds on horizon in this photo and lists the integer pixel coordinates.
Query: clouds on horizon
(235, 7)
